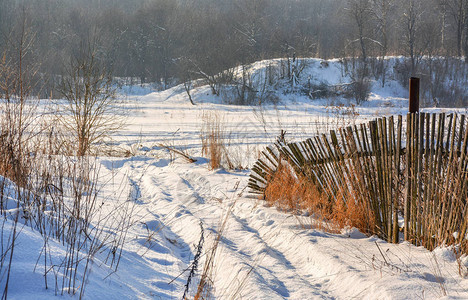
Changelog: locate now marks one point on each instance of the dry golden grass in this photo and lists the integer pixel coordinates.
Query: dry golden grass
(347, 211)
(288, 192)
(14, 160)
(213, 138)
(5, 165)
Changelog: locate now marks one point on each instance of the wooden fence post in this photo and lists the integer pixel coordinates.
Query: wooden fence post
(414, 95)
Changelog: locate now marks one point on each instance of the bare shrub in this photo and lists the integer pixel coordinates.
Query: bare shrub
(246, 92)
(63, 203)
(90, 112)
(17, 129)
(402, 71)
(17, 108)
(250, 87)
(57, 196)
(360, 87)
(343, 115)
(319, 91)
(60, 199)
(438, 87)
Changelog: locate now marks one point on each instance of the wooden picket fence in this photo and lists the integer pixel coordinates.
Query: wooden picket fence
(409, 170)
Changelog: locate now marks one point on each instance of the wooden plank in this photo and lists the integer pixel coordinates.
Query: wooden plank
(327, 167)
(419, 177)
(460, 134)
(431, 182)
(397, 178)
(427, 178)
(391, 170)
(337, 173)
(450, 207)
(409, 135)
(370, 162)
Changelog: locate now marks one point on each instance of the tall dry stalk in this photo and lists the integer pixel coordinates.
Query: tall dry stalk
(56, 195)
(206, 285)
(213, 137)
(17, 127)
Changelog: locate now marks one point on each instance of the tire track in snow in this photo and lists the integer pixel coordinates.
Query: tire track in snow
(263, 253)
(243, 247)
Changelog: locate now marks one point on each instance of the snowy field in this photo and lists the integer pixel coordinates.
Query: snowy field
(262, 253)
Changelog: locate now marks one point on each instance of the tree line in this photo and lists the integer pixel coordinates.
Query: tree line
(169, 41)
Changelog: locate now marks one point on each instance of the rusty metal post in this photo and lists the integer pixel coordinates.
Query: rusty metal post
(414, 95)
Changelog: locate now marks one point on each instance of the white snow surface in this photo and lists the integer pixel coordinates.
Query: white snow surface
(263, 253)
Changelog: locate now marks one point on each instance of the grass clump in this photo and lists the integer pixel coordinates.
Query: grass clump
(291, 192)
(213, 136)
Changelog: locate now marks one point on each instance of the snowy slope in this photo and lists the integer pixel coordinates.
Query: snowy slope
(263, 253)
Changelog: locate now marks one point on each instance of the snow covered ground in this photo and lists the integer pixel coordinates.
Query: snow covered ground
(262, 253)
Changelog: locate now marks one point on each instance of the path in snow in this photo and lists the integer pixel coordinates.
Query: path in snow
(264, 254)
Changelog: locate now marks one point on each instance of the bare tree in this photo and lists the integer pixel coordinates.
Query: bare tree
(360, 13)
(90, 110)
(146, 39)
(457, 10)
(411, 26)
(185, 75)
(466, 33)
(380, 12)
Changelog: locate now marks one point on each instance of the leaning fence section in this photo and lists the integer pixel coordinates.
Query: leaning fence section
(409, 173)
